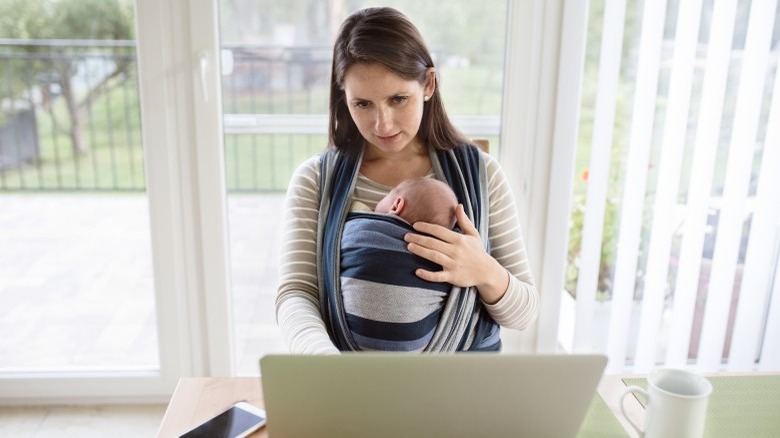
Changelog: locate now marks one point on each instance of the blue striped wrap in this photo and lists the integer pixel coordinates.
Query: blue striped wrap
(370, 297)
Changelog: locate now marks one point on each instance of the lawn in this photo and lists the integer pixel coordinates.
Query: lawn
(113, 158)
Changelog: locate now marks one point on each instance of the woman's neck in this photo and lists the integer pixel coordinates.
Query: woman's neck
(392, 168)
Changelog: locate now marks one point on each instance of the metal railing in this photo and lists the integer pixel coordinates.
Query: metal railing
(70, 115)
(82, 96)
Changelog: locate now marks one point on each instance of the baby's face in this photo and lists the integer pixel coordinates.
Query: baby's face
(385, 204)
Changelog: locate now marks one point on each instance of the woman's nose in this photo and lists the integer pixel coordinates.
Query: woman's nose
(384, 121)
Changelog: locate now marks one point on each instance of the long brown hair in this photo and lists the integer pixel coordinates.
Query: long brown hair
(384, 36)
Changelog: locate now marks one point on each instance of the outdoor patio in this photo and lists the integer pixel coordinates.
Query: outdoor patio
(76, 281)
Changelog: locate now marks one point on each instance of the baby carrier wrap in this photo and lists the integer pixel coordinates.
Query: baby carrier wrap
(462, 323)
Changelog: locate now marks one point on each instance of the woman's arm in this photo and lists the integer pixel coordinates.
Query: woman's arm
(297, 301)
(519, 306)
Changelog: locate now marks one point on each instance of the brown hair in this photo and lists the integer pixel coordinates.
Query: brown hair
(427, 200)
(384, 36)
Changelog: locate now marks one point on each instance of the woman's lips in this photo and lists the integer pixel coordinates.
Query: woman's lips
(388, 138)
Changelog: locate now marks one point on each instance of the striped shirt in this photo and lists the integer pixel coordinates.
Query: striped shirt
(297, 303)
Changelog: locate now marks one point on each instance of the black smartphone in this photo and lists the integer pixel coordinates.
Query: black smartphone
(237, 422)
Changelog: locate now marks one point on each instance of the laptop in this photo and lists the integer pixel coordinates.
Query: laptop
(428, 395)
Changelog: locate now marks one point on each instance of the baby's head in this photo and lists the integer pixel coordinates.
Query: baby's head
(421, 199)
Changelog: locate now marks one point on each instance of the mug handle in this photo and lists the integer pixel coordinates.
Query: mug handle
(629, 390)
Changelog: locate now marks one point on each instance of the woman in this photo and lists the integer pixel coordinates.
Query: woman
(388, 124)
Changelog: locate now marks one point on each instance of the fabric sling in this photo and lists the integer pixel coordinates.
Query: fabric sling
(387, 306)
(464, 324)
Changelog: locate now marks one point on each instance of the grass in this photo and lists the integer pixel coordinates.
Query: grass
(99, 169)
(266, 162)
(114, 159)
(112, 136)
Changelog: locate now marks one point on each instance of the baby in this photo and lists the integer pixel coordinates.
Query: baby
(377, 276)
(419, 200)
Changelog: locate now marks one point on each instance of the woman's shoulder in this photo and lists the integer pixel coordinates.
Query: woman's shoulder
(495, 173)
(306, 176)
(309, 167)
(491, 163)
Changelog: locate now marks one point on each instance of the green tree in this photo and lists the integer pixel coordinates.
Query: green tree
(65, 19)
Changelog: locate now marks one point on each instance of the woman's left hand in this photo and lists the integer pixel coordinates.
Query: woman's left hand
(462, 257)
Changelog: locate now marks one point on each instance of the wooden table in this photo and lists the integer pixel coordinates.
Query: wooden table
(611, 388)
(741, 403)
(198, 399)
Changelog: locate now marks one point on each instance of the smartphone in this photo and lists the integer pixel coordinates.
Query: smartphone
(237, 422)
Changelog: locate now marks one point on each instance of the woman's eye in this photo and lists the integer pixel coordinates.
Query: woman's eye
(400, 99)
(360, 104)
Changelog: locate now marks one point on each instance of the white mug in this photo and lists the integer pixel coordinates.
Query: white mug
(676, 404)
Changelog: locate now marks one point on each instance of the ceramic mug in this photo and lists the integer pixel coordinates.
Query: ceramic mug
(676, 404)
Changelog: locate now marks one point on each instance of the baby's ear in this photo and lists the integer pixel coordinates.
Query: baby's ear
(398, 205)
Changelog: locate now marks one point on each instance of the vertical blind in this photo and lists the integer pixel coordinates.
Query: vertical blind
(682, 136)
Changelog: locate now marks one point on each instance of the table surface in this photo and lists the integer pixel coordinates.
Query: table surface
(198, 399)
(746, 405)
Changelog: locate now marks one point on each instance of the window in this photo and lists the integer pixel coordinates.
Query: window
(673, 247)
(82, 293)
(276, 59)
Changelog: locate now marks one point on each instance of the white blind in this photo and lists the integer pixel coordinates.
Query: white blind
(603, 124)
(700, 180)
(672, 149)
(636, 167)
(740, 159)
(694, 275)
(761, 259)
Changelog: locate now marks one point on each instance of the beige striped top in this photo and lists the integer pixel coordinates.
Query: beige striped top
(297, 303)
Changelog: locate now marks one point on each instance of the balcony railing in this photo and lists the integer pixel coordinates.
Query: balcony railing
(70, 115)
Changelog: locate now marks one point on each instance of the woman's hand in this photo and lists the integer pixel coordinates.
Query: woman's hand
(462, 257)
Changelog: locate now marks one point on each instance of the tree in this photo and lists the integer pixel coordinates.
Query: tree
(65, 19)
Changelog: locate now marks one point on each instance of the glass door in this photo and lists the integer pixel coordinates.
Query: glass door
(99, 273)
(276, 60)
(77, 287)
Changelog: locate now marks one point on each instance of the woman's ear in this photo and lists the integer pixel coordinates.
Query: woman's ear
(398, 205)
(430, 81)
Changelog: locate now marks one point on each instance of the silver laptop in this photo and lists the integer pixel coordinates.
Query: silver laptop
(411, 395)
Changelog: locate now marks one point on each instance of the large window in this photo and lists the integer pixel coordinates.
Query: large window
(117, 185)
(276, 59)
(96, 267)
(673, 248)
(77, 284)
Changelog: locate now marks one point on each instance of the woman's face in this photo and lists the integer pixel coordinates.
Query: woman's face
(386, 108)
